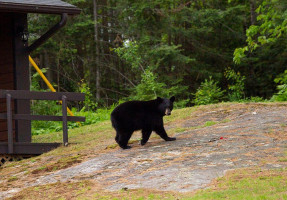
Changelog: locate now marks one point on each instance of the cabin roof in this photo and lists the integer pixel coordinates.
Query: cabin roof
(38, 6)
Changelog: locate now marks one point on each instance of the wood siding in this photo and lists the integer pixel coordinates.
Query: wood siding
(6, 66)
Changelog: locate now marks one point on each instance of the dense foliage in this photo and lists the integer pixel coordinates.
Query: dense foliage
(125, 49)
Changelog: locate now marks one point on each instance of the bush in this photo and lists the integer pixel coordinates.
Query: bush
(208, 93)
(235, 85)
(150, 88)
(90, 103)
(281, 80)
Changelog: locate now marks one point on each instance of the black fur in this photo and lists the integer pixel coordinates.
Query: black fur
(141, 115)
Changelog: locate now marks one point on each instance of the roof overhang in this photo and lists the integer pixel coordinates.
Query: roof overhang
(41, 6)
(38, 6)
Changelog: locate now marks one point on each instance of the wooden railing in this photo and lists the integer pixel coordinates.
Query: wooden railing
(9, 95)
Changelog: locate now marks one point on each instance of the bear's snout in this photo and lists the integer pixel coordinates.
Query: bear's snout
(167, 111)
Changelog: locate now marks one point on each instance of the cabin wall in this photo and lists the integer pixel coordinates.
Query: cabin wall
(14, 72)
(6, 66)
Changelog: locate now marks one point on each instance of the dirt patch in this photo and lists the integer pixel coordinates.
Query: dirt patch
(245, 135)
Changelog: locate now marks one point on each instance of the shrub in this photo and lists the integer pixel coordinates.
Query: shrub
(208, 93)
(90, 102)
(235, 85)
(150, 88)
(281, 80)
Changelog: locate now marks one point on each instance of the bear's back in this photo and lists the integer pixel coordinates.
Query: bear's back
(134, 114)
(133, 108)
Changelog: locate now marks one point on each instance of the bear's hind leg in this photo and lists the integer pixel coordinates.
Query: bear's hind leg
(117, 138)
(123, 139)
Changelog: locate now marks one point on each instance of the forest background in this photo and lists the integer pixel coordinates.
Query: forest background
(201, 51)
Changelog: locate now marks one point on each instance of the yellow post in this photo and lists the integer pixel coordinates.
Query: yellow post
(46, 80)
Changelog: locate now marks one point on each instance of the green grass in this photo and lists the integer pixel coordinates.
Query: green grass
(180, 114)
(81, 139)
(209, 123)
(248, 184)
(13, 178)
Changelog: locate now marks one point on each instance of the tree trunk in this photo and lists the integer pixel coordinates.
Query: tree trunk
(58, 73)
(97, 49)
(47, 65)
(252, 11)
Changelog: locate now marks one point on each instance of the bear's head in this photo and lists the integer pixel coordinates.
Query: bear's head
(165, 105)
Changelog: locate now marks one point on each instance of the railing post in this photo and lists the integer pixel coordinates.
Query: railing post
(9, 124)
(65, 123)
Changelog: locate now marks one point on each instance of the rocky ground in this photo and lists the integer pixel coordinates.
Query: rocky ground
(208, 145)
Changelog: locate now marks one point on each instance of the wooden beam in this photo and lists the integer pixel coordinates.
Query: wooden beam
(28, 148)
(9, 124)
(24, 94)
(21, 75)
(65, 123)
(42, 117)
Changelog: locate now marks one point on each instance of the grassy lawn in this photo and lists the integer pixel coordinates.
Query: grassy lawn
(248, 184)
(91, 140)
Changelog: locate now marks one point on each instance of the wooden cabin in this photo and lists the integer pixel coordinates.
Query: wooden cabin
(15, 94)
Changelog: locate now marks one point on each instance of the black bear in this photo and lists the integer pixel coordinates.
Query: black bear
(141, 115)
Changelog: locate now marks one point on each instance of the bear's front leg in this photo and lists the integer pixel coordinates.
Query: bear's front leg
(161, 132)
(145, 136)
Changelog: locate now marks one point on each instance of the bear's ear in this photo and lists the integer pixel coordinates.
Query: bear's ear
(172, 99)
(159, 99)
